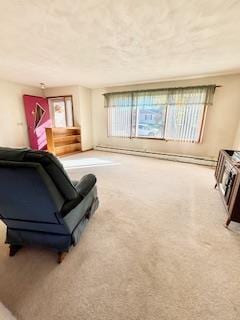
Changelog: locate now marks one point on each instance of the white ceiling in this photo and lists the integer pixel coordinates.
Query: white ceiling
(97, 43)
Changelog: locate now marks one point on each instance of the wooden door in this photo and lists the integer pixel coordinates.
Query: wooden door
(38, 118)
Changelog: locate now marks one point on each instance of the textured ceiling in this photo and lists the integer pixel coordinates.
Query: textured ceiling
(97, 43)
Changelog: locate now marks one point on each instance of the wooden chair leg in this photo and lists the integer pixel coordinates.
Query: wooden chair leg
(227, 222)
(13, 249)
(61, 256)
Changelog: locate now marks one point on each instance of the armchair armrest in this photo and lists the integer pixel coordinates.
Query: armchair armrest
(83, 187)
(86, 184)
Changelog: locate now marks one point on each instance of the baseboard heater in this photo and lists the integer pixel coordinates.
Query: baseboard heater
(166, 156)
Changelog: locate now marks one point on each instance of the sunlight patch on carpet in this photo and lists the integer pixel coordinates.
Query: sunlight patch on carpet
(87, 162)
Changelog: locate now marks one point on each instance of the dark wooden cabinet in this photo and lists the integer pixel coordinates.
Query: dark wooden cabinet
(227, 176)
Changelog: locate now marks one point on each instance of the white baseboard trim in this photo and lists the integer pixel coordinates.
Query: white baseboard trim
(165, 156)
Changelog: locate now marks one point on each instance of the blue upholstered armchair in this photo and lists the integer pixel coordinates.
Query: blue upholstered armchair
(40, 204)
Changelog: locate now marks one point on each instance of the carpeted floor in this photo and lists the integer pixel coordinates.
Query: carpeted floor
(155, 250)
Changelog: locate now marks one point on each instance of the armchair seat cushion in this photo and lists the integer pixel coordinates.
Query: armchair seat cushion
(75, 183)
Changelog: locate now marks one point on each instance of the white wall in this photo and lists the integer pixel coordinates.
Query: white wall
(86, 118)
(13, 127)
(220, 128)
(13, 130)
(81, 108)
(237, 138)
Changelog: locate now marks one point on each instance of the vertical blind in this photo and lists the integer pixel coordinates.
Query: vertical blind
(119, 115)
(170, 114)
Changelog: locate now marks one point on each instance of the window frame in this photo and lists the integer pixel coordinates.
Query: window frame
(64, 98)
(203, 117)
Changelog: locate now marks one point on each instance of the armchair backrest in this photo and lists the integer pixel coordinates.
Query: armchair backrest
(33, 186)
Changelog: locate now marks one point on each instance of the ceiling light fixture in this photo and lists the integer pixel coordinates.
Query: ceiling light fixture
(42, 85)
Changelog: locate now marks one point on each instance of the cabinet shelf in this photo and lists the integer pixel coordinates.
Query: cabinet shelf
(65, 138)
(62, 141)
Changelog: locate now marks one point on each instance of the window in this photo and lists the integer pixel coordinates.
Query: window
(170, 114)
(61, 109)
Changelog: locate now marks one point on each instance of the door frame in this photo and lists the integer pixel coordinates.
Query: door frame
(64, 96)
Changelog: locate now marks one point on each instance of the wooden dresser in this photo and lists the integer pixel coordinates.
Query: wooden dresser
(227, 176)
(61, 141)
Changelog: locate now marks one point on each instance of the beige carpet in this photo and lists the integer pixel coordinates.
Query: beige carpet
(156, 250)
(5, 314)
